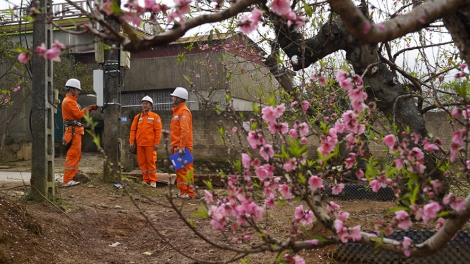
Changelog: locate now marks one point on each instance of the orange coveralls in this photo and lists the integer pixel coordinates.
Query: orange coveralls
(71, 111)
(181, 135)
(149, 133)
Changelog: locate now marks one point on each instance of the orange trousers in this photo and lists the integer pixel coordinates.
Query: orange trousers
(74, 154)
(147, 160)
(184, 182)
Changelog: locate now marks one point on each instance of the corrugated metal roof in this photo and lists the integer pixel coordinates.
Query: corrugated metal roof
(201, 38)
(84, 52)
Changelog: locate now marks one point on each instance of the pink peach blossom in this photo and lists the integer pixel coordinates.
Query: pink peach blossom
(337, 189)
(24, 57)
(390, 141)
(375, 185)
(315, 182)
(305, 105)
(285, 191)
(246, 160)
(281, 7)
(290, 165)
(208, 196)
(41, 50)
(341, 75)
(355, 233)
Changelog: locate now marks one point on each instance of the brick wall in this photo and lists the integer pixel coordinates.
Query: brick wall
(206, 140)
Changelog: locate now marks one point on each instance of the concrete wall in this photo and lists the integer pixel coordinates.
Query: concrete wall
(437, 125)
(206, 140)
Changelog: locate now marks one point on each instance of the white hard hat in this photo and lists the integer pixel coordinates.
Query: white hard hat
(148, 99)
(72, 83)
(181, 93)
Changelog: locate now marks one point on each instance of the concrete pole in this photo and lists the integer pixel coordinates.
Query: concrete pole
(42, 114)
(112, 111)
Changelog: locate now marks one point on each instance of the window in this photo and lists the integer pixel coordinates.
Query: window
(161, 99)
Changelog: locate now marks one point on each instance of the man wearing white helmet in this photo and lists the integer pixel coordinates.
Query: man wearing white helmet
(72, 115)
(145, 135)
(181, 137)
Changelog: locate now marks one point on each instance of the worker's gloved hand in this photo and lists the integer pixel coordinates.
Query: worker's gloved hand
(92, 107)
(181, 150)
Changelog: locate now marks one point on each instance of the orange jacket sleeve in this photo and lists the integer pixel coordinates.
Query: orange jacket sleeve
(185, 126)
(70, 110)
(133, 129)
(157, 126)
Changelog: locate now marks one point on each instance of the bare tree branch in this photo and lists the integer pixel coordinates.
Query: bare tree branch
(357, 23)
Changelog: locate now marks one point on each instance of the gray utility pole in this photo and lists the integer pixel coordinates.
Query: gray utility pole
(112, 108)
(42, 114)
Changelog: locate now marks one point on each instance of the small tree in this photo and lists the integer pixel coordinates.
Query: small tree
(68, 68)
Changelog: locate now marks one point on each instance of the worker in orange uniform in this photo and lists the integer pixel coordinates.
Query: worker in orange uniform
(181, 137)
(74, 130)
(145, 135)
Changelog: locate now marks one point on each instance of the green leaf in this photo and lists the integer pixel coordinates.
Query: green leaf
(295, 148)
(370, 169)
(461, 91)
(247, 261)
(189, 47)
(222, 174)
(405, 202)
(187, 78)
(271, 100)
(308, 10)
(295, 199)
(201, 212)
(443, 214)
(181, 58)
(221, 131)
(319, 238)
(237, 164)
(253, 126)
(209, 39)
(96, 140)
(415, 195)
(192, 223)
(20, 50)
(208, 184)
(302, 178)
(256, 109)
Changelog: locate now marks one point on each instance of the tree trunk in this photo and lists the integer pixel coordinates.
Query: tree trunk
(459, 27)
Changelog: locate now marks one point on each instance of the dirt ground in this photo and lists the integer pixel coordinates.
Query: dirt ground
(97, 222)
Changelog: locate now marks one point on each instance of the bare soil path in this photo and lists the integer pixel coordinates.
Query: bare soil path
(96, 222)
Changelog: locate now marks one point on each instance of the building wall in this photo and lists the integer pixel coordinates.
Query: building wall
(437, 125)
(249, 79)
(166, 72)
(208, 143)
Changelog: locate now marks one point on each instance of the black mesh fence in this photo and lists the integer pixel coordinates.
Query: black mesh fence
(457, 250)
(362, 192)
